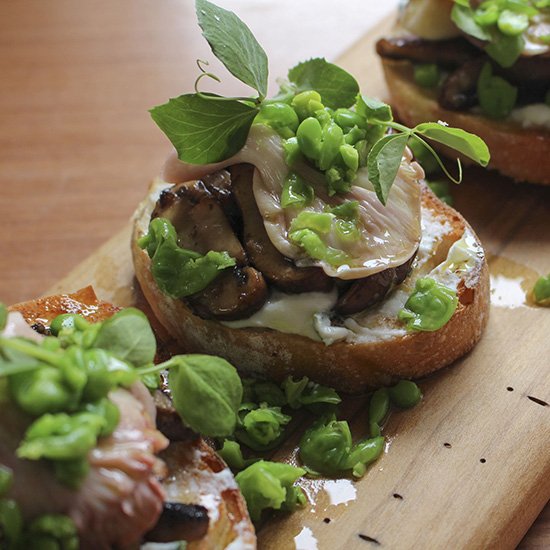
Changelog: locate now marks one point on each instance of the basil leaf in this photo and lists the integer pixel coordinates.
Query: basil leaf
(336, 87)
(207, 392)
(234, 45)
(383, 163)
(468, 144)
(505, 50)
(202, 129)
(128, 336)
(463, 18)
(372, 108)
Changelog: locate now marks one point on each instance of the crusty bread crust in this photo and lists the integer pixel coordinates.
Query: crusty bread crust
(348, 367)
(519, 153)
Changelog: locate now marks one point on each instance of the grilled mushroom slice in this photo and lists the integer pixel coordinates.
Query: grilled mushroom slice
(199, 220)
(278, 270)
(235, 294)
(448, 53)
(366, 292)
(459, 89)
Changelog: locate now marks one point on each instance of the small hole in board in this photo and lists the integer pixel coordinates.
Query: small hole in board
(397, 496)
(366, 538)
(327, 520)
(509, 388)
(482, 460)
(447, 445)
(537, 401)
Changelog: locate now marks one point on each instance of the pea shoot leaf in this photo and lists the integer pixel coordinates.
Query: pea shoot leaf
(383, 163)
(463, 18)
(336, 86)
(468, 144)
(372, 108)
(234, 45)
(203, 129)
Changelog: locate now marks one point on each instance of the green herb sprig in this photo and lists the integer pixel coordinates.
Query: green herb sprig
(313, 113)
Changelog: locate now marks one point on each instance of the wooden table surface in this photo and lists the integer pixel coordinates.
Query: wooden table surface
(77, 146)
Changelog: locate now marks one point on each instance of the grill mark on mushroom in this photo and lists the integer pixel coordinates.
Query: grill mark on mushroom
(199, 220)
(235, 294)
(278, 270)
(366, 292)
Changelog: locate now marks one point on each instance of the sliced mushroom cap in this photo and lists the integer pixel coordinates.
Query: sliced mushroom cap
(235, 294)
(179, 521)
(448, 53)
(169, 421)
(278, 270)
(366, 292)
(219, 184)
(199, 220)
(459, 89)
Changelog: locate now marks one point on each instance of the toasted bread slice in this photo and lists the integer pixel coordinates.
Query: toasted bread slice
(519, 153)
(195, 474)
(358, 362)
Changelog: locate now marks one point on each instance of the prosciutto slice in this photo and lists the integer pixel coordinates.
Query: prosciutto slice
(389, 234)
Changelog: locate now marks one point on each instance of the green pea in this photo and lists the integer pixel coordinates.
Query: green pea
(333, 138)
(41, 391)
(374, 429)
(278, 115)
(68, 321)
(263, 426)
(11, 522)
(350, 156)
(292, 151)
(108, 411)
(310, 136)
(511, 23)
(325, 447)
(307, 103)
(379, 406)
(541, 291)
(347, 210)
(346, 118)
(427, 75)
(296, 192)
(232, 454)
(354, 135)
(320, 222)
(487, 14)
(310, 242)
(363, 454)
(405, 394)
(347, 231)
(51, 343)
(61, 437)
(6, 479)
(497, 97)
(429, 307)
(323, 116)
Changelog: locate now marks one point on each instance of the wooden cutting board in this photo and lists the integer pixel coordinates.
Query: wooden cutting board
(469, 467)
